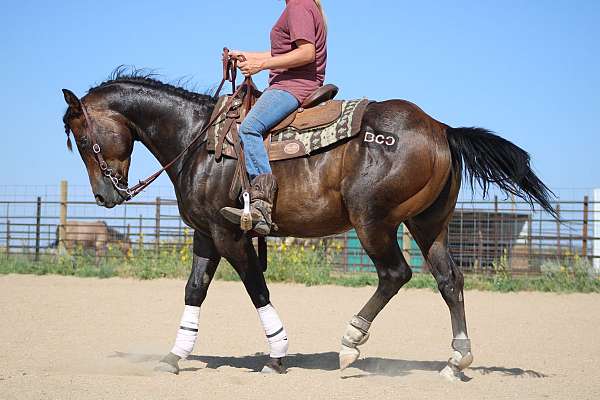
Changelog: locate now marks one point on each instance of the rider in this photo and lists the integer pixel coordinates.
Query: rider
(297, 68)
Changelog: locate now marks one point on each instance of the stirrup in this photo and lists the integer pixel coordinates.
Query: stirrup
(246, 220)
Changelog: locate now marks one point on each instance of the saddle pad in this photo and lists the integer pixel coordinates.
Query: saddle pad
(312, 139)
(292, 142)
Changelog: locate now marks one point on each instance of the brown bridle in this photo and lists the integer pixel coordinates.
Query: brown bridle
(229, 74)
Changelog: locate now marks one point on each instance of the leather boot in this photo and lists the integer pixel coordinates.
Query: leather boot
(262, 194)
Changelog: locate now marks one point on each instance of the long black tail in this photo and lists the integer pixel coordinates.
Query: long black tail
(490, 159)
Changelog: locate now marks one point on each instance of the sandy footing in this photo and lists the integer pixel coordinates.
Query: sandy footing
(72, 338)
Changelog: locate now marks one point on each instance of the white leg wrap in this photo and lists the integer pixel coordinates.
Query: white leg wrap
(276, 335)
(187, 333)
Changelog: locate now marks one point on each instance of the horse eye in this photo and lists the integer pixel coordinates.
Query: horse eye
(84, 141)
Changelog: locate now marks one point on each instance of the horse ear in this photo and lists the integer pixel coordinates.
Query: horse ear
(72, 100)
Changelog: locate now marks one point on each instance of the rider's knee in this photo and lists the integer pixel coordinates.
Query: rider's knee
(251, 126)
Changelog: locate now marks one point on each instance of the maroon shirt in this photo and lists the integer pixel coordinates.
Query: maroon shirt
(301, 19)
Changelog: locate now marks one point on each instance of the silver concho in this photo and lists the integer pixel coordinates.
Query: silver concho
(291, 148)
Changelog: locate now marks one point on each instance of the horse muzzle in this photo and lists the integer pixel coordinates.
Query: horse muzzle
(103, 202)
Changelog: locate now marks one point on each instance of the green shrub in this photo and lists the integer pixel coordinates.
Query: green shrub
(305, 265)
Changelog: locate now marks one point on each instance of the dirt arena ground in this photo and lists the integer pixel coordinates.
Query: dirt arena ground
(72, 338)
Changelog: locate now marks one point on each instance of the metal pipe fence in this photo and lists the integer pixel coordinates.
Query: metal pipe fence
(484, 236)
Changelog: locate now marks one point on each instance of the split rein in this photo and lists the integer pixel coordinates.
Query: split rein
(229, 75)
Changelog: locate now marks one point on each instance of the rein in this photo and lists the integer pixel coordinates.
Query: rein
(229, 74)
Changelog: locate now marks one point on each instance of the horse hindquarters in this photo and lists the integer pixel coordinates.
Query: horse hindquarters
(383, 186)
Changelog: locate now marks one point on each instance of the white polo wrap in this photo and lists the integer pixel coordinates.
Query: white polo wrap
(276, 335)
(187, 333)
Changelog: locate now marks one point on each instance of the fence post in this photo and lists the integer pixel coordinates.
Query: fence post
(497, 239)
(558, 244)
(540, 256)
(140, 235)
(7, 238)
(157, 226)
(584, 236)
(38, 218)
(62, 227)
(406, 243)
(596, 230)
(179, 234)
(529, 240)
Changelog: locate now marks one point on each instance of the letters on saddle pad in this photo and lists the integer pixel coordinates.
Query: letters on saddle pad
(302, 133)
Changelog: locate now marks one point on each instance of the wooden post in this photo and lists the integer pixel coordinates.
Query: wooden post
(157, 226)
(558, 244)
(38, 218)
(584, 236)
(62, 228)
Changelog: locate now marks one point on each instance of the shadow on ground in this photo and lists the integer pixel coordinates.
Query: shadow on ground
(329, 361)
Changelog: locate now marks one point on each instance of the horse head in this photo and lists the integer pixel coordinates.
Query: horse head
(104, 139)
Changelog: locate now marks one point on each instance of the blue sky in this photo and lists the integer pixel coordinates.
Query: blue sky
(529, 70)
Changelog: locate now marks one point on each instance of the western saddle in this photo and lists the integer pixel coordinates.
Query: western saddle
(315, 111)
(319, 109)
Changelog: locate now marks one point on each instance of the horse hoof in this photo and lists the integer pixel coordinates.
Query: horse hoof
(169, 363)
(166, 367)
(274, 366)
(451, 374)
(347, 356)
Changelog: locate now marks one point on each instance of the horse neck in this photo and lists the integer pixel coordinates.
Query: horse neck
(164, 122)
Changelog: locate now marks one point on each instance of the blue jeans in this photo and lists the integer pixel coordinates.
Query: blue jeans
(270, 109)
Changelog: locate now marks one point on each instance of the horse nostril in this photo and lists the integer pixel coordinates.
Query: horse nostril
(99, 200)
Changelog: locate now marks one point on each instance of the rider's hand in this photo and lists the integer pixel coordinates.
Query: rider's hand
(250, 67)
(236, 53)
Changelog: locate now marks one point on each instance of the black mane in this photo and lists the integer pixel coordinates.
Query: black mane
(147, 78)
(144, 77)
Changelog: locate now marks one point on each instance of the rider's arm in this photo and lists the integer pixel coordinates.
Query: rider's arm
(251, 55)
(304, 54)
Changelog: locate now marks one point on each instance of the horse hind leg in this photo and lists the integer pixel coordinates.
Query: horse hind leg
(450, 284)
(393, 271)
(430, 231)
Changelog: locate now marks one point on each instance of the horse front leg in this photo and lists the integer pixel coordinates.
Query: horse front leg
(204, 264)
(242, 256)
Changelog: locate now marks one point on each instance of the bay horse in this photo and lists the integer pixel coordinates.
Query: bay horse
(361, 184)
